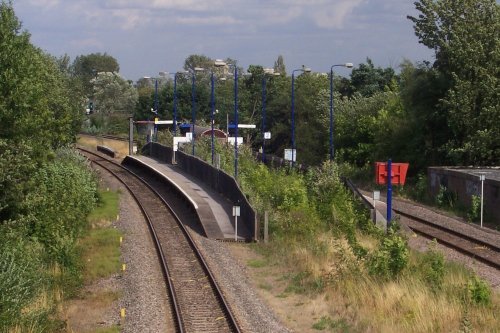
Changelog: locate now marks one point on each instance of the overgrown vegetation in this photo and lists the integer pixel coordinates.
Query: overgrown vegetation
(46, 189)
(328, 248)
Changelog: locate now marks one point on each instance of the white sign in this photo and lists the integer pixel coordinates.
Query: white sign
(267, 135)
(236, 213)
(179, 139)
(163, 122)
(291, 153)
(189, 135)
(376, 195)
(230, 139)
(245, 126)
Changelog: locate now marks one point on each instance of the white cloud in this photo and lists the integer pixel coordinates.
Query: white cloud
(335, 15)
(213, 20)
(86, 43)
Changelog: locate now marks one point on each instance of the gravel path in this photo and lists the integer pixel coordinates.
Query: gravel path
(251, 312)
(144, 292)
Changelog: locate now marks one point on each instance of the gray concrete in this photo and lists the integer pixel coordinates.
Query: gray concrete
(201, 195)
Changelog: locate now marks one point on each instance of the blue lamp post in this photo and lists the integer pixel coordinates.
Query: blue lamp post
(217, 63)
(155, 111)
(193, 103)
(304, 70)
(267, 72)
(175, 101)
(235, 121)
(348, 65)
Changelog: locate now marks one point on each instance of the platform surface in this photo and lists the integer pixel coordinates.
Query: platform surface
(218, 220)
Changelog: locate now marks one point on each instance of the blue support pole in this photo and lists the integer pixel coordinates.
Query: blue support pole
(263, 125)
(175, 104)
(193, 106)
(155, 134)
(235, 122)
(212, 111)
(389, 193)
(293, 117)
(331, 113)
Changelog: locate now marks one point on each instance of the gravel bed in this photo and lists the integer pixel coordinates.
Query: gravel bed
(488, 273)
(144, 294)
(488, 235)
(252, 313)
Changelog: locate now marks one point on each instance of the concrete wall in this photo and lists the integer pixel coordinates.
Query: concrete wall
(464, 183)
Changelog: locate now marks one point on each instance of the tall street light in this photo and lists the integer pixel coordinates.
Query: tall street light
(217, 63)
(304, 70)
(175, 100)
(155, 111)
(348, 65)
(267, 73)
(235, 121)
(193, 103)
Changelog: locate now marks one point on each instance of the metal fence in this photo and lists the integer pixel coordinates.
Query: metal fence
(215, 178)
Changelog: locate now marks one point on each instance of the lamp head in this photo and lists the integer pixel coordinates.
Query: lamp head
(219, 63)
(348, 64)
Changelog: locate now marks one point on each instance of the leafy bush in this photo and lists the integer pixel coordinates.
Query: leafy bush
(474, 213)
(390, 258)
(58, 206)
(479, 291)
(433, 269)
(20, 281)
(445, 197)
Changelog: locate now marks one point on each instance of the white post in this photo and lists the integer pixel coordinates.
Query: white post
(482, 178)
(236, 228)
(266, 227)
(236, 213)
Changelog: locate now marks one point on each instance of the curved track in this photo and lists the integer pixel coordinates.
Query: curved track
(458, 237)
(481, 250)
(197, 302)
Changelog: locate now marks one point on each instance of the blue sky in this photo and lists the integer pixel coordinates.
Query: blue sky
(147, 37)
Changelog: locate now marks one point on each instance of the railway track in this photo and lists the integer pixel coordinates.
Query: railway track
(197, 302)
(467, 239)
(485, 251)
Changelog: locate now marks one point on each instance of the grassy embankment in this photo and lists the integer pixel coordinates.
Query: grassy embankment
(330, 267)
(100, 257)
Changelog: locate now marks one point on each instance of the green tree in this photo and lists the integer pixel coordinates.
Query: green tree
(35, 101)
(464, 36)
(113, 94)
(86, 67)
(279, 66)
(367, 80)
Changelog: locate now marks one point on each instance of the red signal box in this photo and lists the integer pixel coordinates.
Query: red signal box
(398, 173)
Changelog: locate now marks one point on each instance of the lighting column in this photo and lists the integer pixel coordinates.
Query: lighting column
(304, 70)
(348, 65)
(263, 124)
(193, 104)
(217, 63)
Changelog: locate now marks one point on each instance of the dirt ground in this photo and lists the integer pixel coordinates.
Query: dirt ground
(297, 312)
(120, 147)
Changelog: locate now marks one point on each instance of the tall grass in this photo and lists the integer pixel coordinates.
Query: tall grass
(366, 280)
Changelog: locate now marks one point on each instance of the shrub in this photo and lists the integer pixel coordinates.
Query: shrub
(432, 268)
(390, 258)
(478, 291)
(20, 282)
(475, 210)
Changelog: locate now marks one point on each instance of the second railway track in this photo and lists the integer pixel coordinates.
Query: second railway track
(197, 302)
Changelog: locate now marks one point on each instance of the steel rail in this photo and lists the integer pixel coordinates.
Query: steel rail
(225, 306)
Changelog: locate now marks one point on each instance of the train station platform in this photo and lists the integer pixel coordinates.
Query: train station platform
(214, 210)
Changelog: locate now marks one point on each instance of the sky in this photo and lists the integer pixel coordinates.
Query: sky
(148, 37)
